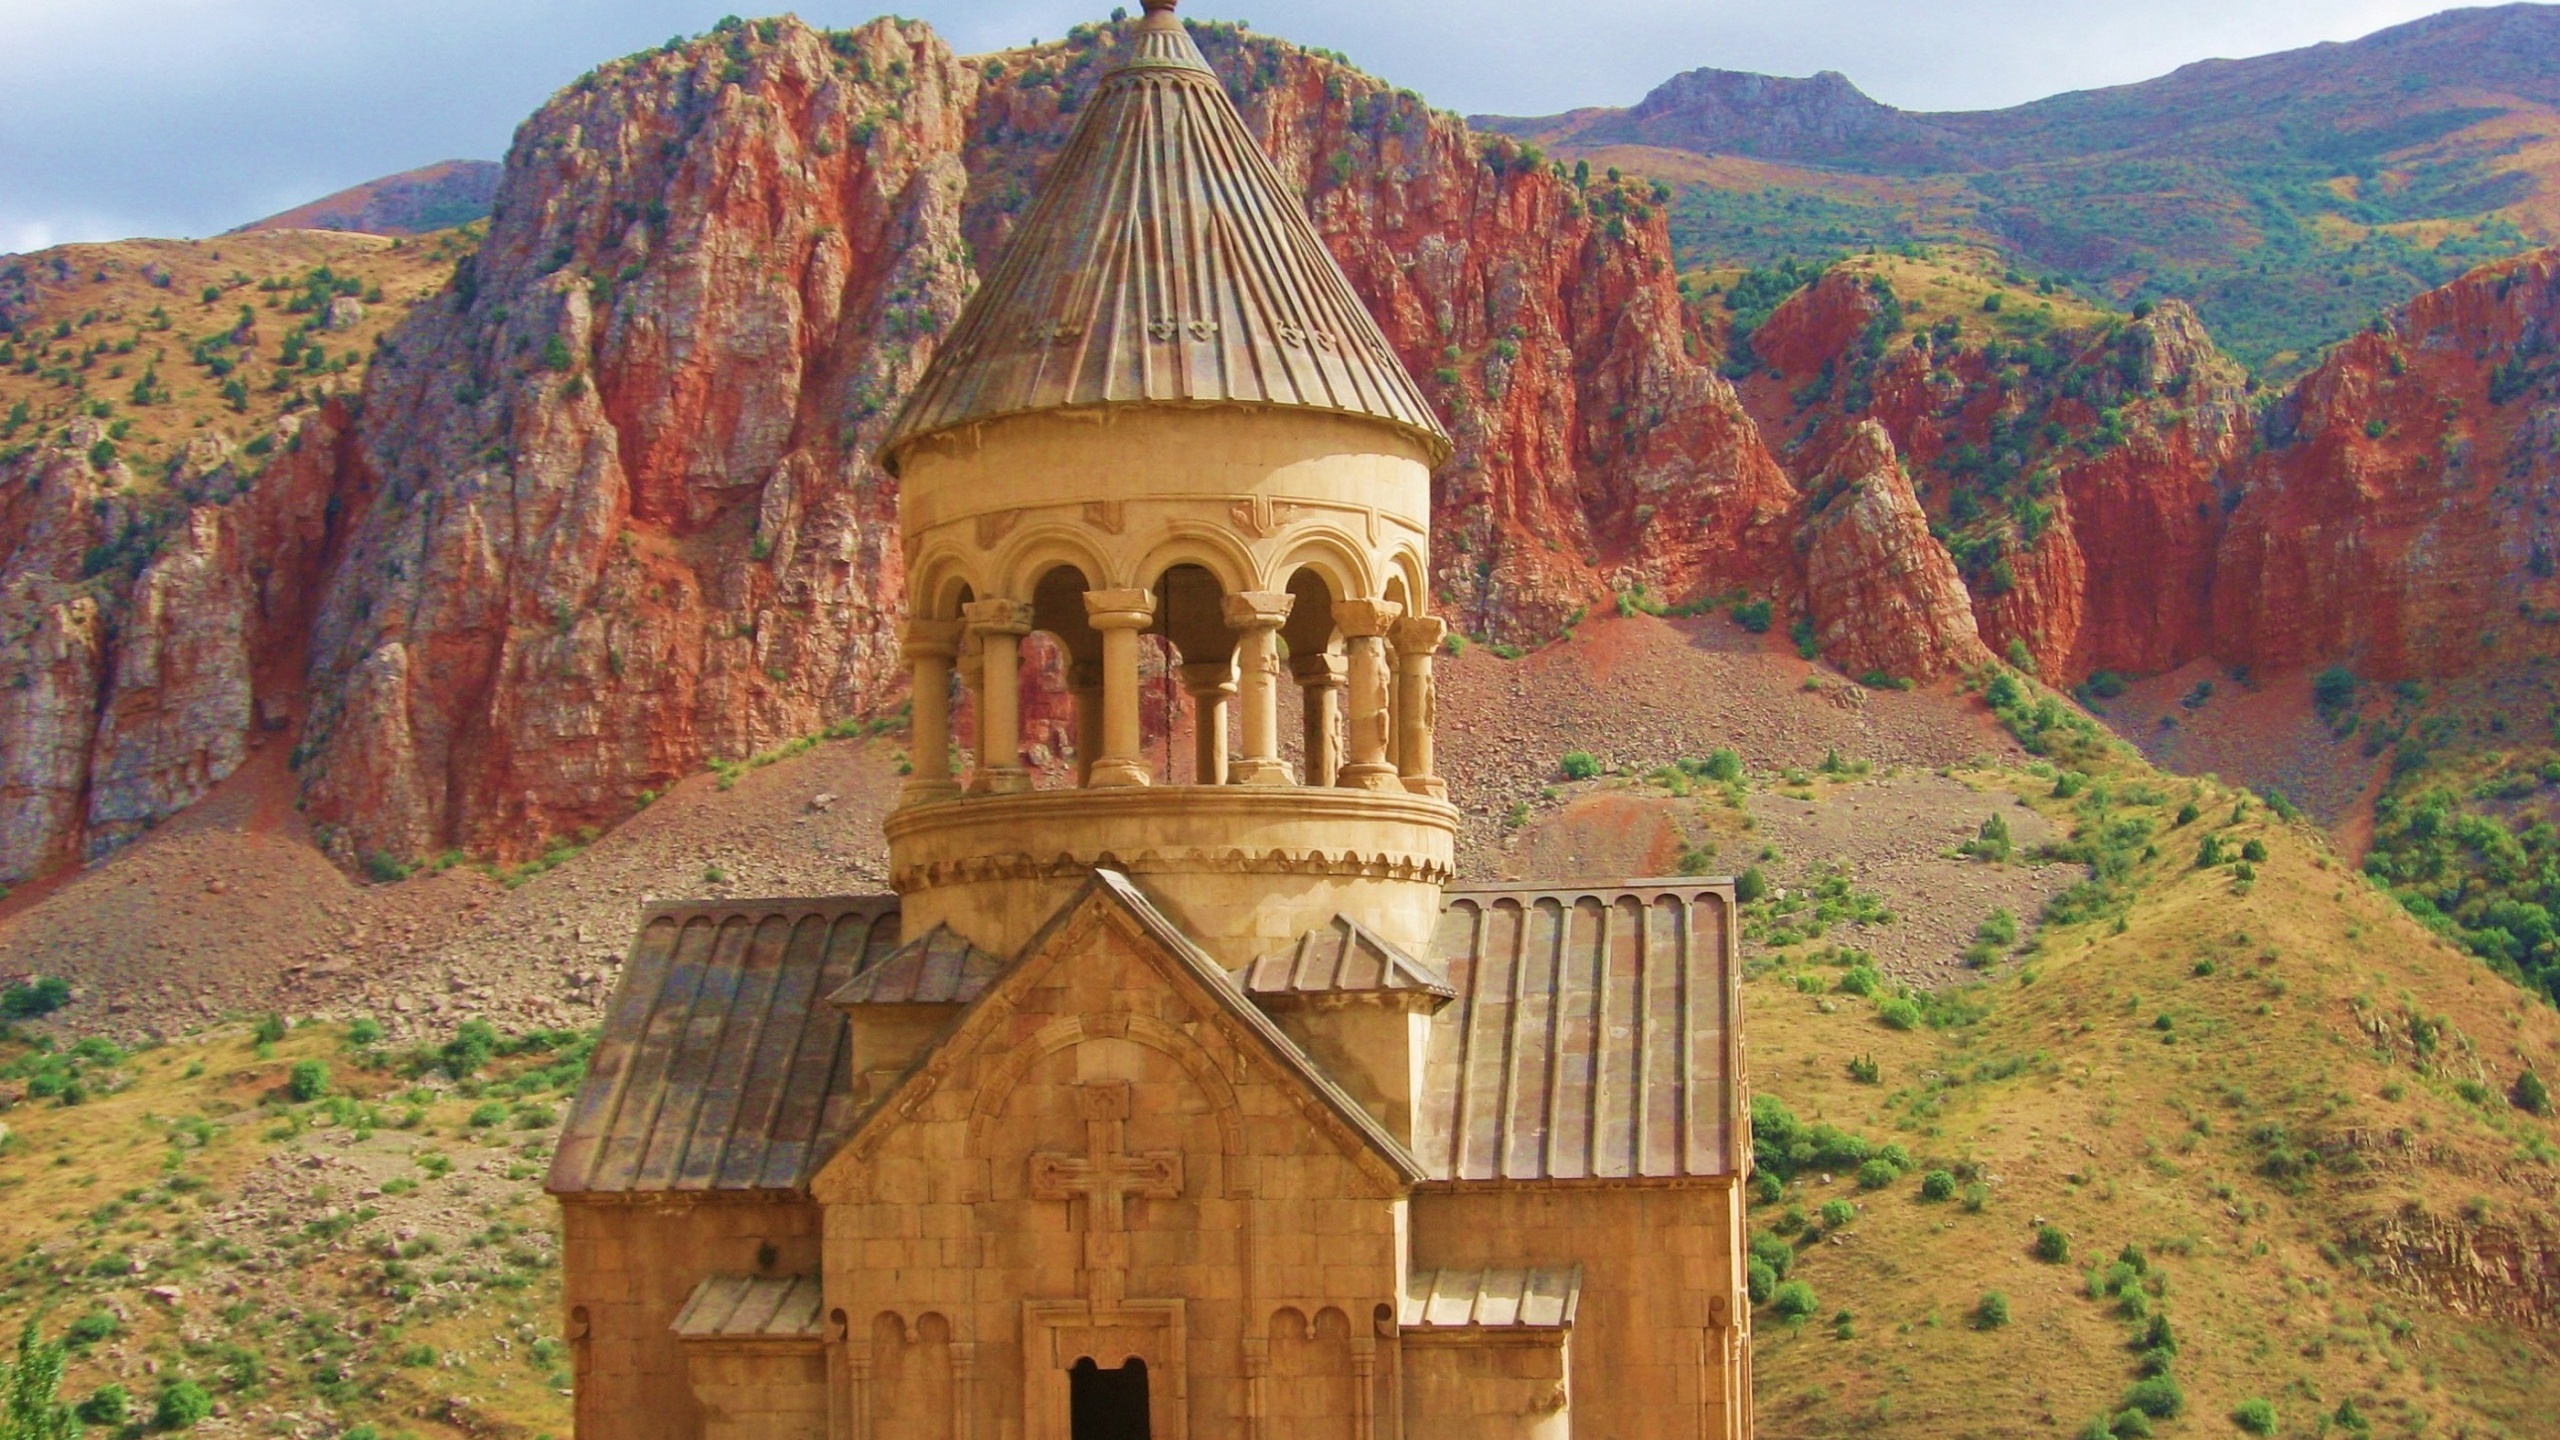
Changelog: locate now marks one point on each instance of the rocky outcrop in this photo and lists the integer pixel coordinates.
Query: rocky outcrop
(1882, 592)
(147, 640)
(2400, 519)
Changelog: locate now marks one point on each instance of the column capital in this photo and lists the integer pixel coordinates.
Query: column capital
(1217, 677)
(1257, 609)
(1364, 619)
(931, 639)
(1420, 634)
(998, 616)
(1322, 668)
(1120, 609)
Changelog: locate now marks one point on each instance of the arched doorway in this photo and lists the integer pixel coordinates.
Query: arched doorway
(1107, 1404)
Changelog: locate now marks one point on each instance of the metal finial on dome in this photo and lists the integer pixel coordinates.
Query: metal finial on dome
(1159, 7)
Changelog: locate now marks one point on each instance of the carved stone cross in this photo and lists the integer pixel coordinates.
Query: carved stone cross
(1105, 1176)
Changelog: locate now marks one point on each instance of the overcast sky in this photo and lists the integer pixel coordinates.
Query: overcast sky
(186, 117)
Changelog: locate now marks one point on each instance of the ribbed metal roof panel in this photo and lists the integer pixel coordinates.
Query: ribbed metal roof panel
(718, 1068)
(736, 1307)
(1341, 958)
(1532, 1298)
(1164, 262)
(1594, 1035)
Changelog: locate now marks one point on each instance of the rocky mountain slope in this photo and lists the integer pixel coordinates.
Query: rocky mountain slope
(2287, 197)
(603, 509)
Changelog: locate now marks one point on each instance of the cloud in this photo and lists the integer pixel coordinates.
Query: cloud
(185, 117)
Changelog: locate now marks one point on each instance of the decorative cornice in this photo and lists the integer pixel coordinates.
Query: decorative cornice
(980, 869)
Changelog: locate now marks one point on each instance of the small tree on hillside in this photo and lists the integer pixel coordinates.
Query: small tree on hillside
(32, 1383)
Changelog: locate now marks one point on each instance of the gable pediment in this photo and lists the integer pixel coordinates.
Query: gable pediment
(1110, 967)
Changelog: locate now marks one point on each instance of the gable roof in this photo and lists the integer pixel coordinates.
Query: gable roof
(1343, 957)
(1594, 1035)
(719, 1069)
(1164, 262)
(935, 968)
(1113, 892)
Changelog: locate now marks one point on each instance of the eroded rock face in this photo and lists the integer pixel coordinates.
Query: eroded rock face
(628, 518)
(2400, 519)
(1883, 593)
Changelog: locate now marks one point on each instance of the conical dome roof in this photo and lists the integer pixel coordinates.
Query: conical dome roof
(1164, 263)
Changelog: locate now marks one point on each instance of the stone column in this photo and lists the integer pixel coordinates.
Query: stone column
(1417, 639)
(1321, 679)
(1256, 616)
(1364, 625)
(999, 625)
(1120, 615)
(928, 648)
(1209, 686)
(1084, 678)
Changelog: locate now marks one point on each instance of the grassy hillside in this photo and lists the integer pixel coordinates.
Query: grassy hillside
(218, 1227)
(176, 341)
(2289, 197)
(2232, 1139)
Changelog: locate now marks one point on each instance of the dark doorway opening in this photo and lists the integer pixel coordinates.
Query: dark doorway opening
(1107, 1404)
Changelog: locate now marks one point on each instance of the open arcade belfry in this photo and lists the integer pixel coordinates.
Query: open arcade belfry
(1169, 1095)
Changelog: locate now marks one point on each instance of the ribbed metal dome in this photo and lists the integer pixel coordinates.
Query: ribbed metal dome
(1164, 263)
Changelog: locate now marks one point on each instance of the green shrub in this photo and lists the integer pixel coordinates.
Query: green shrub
(474, 1044)
(2187, 813)
(1976, 1195)
(1579, 765)
(1992, 841)
(1992, 1310)
(307, 1081)
(364, 1032)
(39, 995)
(1938, 1185)
(1763, 1282)
(1753, 615)
(2254, 851)
(1793, 1300)
(491, 1113)
(106, 1405)
(183, 1405)
(2001, 929)
(1836, 1213)
(1724, 766)
(2158, 1397)
(268, 1030)
(387, 868)
(1877, 1174)
(1898, 1013)
(89, 1329)
(1861, 980)
(1750, 886)
(2052, 1246)
(2130, 1425)
(2255, 1416)
(2531, 1095)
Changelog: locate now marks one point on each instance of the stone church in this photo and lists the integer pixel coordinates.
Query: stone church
(1185, 1095)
